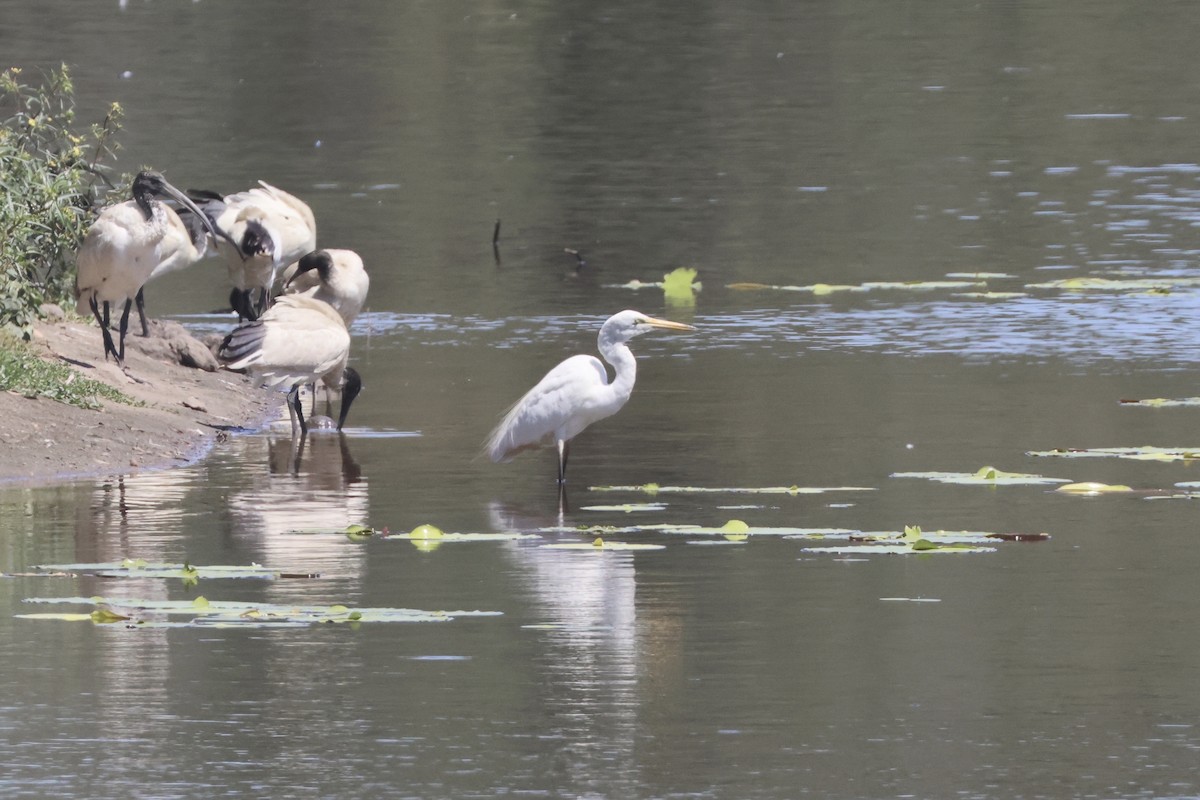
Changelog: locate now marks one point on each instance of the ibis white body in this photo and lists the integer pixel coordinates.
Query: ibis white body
(298, 340)
(129, 243)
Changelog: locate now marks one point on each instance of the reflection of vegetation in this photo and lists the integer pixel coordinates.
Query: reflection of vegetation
(50, 187)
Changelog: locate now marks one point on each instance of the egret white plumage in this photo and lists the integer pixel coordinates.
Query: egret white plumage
(298, 340)
(127, 244)
(270, 228)
(576, 393)
(336, 276)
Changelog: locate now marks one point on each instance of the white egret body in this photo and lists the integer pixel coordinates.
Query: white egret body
(128, 244)
(576, 393)
(298, 340)
(336, 276)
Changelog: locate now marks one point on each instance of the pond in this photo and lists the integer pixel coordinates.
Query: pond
(929, 238)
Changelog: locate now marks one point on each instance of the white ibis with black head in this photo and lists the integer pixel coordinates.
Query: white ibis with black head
(127, 244)
(298, 340)
(336, 276)
(270, 229)
(576, 393)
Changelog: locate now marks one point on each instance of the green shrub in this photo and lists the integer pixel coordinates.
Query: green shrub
(51, 182)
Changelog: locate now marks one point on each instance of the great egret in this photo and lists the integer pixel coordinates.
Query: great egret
(336, 276)
(298, 340)
(576, 393)
(127, 244)
(270, 229)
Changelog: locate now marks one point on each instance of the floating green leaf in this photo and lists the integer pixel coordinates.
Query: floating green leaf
(985, 476)
(679, 286)
(1145, 453)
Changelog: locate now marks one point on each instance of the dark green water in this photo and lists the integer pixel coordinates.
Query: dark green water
(788, 145)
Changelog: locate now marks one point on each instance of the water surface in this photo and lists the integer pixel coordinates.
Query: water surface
(812, 144)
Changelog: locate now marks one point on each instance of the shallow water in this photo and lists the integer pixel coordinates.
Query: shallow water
(788, 147)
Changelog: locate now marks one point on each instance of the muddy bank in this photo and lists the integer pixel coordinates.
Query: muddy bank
(185, 411)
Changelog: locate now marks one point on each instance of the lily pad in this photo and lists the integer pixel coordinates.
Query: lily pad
(422, 533)
(203, 612)
(945, 537)
(1145, 453)
(899, 549)
(1093, 488)
(992, 295)
(1163, 402)
(1089, 284)
(725, 530)
(599, 544)
(654, 488)
(139, 568)
(820, 289)
(628, 507)
(985, 476)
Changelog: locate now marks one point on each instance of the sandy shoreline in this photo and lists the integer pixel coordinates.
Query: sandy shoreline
(186, 410)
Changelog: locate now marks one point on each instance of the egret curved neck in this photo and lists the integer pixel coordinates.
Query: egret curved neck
(621, 358)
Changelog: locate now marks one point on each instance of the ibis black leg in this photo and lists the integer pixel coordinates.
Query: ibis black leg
(102, 321)
(141, 307)
(124, 328)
